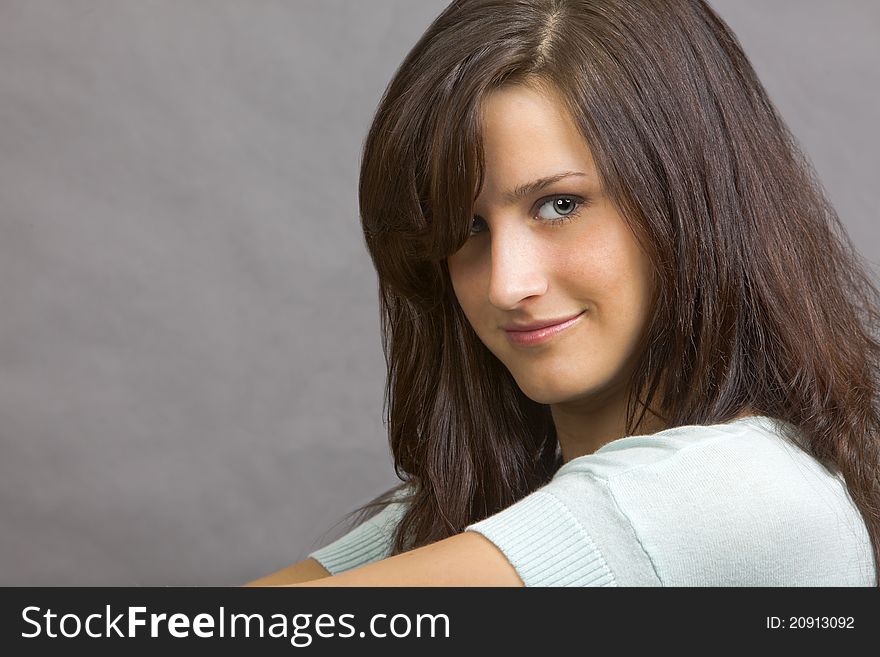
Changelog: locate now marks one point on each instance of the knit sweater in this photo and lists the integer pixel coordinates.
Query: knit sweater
(735, 504)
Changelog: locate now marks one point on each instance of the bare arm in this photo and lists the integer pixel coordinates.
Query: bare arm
(466, 559)
(302, 571)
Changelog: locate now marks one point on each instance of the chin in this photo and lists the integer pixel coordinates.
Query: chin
(597, 385)
(553, 394)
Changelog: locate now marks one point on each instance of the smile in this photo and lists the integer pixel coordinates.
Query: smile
(542, 335)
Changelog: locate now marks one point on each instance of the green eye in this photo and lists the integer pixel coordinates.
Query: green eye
(565, 206)
(563, 209)
(476, 220)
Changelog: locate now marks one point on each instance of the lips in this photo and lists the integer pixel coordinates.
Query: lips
(534, 337)
(534, 326)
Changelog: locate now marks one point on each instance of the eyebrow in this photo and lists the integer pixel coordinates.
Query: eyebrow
(518, 193)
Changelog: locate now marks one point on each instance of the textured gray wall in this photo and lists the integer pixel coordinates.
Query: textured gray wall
(190, 365)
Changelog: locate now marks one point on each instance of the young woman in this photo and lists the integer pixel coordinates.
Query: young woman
(702, 409)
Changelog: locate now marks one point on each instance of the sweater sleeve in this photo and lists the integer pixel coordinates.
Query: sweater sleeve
(549, 545)
(578, 529)
(368, 542)
(720, 505)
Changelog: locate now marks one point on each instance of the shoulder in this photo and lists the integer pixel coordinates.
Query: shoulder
(695, 505)
(754, 467)
(713, 468)
(689, 468)
(714, 444)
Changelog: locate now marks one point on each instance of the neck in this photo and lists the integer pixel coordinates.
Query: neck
(585, 425)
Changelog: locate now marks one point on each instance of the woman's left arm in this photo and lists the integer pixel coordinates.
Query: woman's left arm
(466, 559)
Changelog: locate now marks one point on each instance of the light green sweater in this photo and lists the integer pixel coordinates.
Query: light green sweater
(734, 504)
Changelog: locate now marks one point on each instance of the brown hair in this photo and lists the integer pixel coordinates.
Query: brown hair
(761, 300)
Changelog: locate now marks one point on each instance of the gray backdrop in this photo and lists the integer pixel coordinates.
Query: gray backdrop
(190, 366)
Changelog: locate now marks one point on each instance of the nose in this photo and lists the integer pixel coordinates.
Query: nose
(517, 268)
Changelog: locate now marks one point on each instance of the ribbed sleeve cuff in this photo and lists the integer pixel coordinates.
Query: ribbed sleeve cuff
(364, 544)
(545, 543)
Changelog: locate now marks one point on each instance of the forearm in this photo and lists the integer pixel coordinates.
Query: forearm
(466, 559)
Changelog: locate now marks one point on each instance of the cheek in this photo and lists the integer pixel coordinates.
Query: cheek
(467, 288)
(613, 276)
(597, 271)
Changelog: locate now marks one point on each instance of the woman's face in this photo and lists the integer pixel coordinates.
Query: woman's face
(522, 265)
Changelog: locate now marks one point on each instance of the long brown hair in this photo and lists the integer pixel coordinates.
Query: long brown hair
(761, 300)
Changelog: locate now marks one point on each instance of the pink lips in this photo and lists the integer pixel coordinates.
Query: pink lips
(541, 335)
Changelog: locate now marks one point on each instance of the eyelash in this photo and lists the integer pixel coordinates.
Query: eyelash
(580, 203)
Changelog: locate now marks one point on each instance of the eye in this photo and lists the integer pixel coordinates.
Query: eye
(476, 222)
(562, 208)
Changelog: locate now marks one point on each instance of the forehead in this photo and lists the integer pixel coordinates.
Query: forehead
(527, 134)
